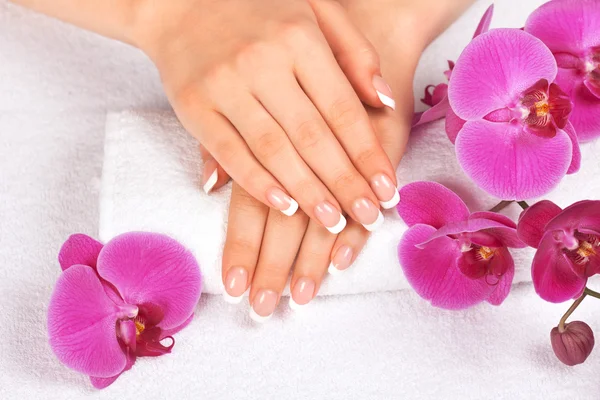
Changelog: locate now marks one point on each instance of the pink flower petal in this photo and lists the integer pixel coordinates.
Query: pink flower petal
(533, 221)
(576, 160)
(510, 164)
(101, 383)
(453, 125)
(433, 271)
(81, 324)
(430, 203)
(583, 214)
(503, 219)
(436, 112)
(79, 249)
(155, 269)
(502, 289)
(486, 20)
(553, 276)
(569, 26)
(170, 332)
(503, 235)
(586, 106)
(494, 69)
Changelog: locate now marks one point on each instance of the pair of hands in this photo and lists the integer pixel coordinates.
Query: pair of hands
(274, 91)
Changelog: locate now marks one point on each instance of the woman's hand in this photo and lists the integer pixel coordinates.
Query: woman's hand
(258, 83)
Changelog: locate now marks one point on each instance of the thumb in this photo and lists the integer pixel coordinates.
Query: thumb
(354, 53)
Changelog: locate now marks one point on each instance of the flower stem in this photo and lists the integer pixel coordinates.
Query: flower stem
(561, 324)
(523, 204)
(501, 206)
(592, 293)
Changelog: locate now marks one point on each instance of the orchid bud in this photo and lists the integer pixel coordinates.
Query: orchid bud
(574, 344)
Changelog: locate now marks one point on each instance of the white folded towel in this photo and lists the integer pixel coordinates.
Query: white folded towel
(151, 181)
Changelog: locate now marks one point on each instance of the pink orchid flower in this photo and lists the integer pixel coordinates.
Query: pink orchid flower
(438, 98)
(570, 29)
(568, 243)
(516, 142)
(453, 258)
(119, 301)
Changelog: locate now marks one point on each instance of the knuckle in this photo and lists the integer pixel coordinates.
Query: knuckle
(308, 134)
(343, 114)
(297, 32)
(253, 54)
(188, 97)
(239, 245)
(368, 56)
(268, 144)
(346, 179)
(366, 157)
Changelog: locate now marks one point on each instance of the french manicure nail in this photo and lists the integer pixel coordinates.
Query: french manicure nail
(263, 305)
(385, 191)
(384, 92)
(302, 293)
(367, 214)
(282, 201)
(236, 281)
(209, 176)
(341, 260)
(329, 216)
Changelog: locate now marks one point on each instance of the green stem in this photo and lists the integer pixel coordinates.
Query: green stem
(523, 204)
(501, 206)
(561, 324)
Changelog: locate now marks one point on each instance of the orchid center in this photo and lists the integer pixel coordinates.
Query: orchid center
(484, 253)
(482, 262)
(140, 325)
(543, 108)
(586, 255)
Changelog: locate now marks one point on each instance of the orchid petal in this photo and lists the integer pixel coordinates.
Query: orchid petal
(170, 332)
(433, 271)
(503, 286)
(127, 333)
(154, 269)
(576, 159)
(101, 383)
(503, 219)
(553, 276)
(436, 112)
(453, 124)
(583, 214)
(533, 221)
(510, 164)
(79, 249)
(486, 20)
(478, 225)
(569, 26)
(81, 324)
(430, 203)
(494, 69)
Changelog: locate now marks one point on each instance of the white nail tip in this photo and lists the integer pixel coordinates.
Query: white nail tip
(231, 299)
(386, 100)
(376, 224)
(337, 228)
(258, 318)
(291, 210)
(333, 270)
(295, 306)
(386, 205)
(211, 182)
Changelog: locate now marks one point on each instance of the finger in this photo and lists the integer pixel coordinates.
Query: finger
(213, 175)
(311, 264)
(347, 247)
(273, 148)
(245, 228)
(320, 149)
(354, 53)
(327, 87)
(280, 245)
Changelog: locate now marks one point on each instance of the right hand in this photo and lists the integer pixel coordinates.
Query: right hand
(272, 96)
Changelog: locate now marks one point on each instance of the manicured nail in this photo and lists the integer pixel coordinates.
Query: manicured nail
(385, 190)
(303, 292)
(367, 214)
(236, 281)
(264, 305)
(384, 92)
(282, 201)
(329, 216)
(209, 175)
(341, 260)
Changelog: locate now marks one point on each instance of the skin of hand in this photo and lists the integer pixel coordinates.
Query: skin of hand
(261, 245)
(259, 84)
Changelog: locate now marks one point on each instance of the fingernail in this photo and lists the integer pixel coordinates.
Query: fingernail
(282, 201)
(303, 292)
(264, 305)
(236, 281)
(341, 260)
(384, 92)
(385, 190)
(209, 176)
(367, 214)
(329, 216)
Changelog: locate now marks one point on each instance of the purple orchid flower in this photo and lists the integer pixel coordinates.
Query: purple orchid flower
(516, 142)
(119, 301)
(568, 243)
(570, 29)
(453, 258)
(436, 96)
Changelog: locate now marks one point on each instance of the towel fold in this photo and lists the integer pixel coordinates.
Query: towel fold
(151, 182)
